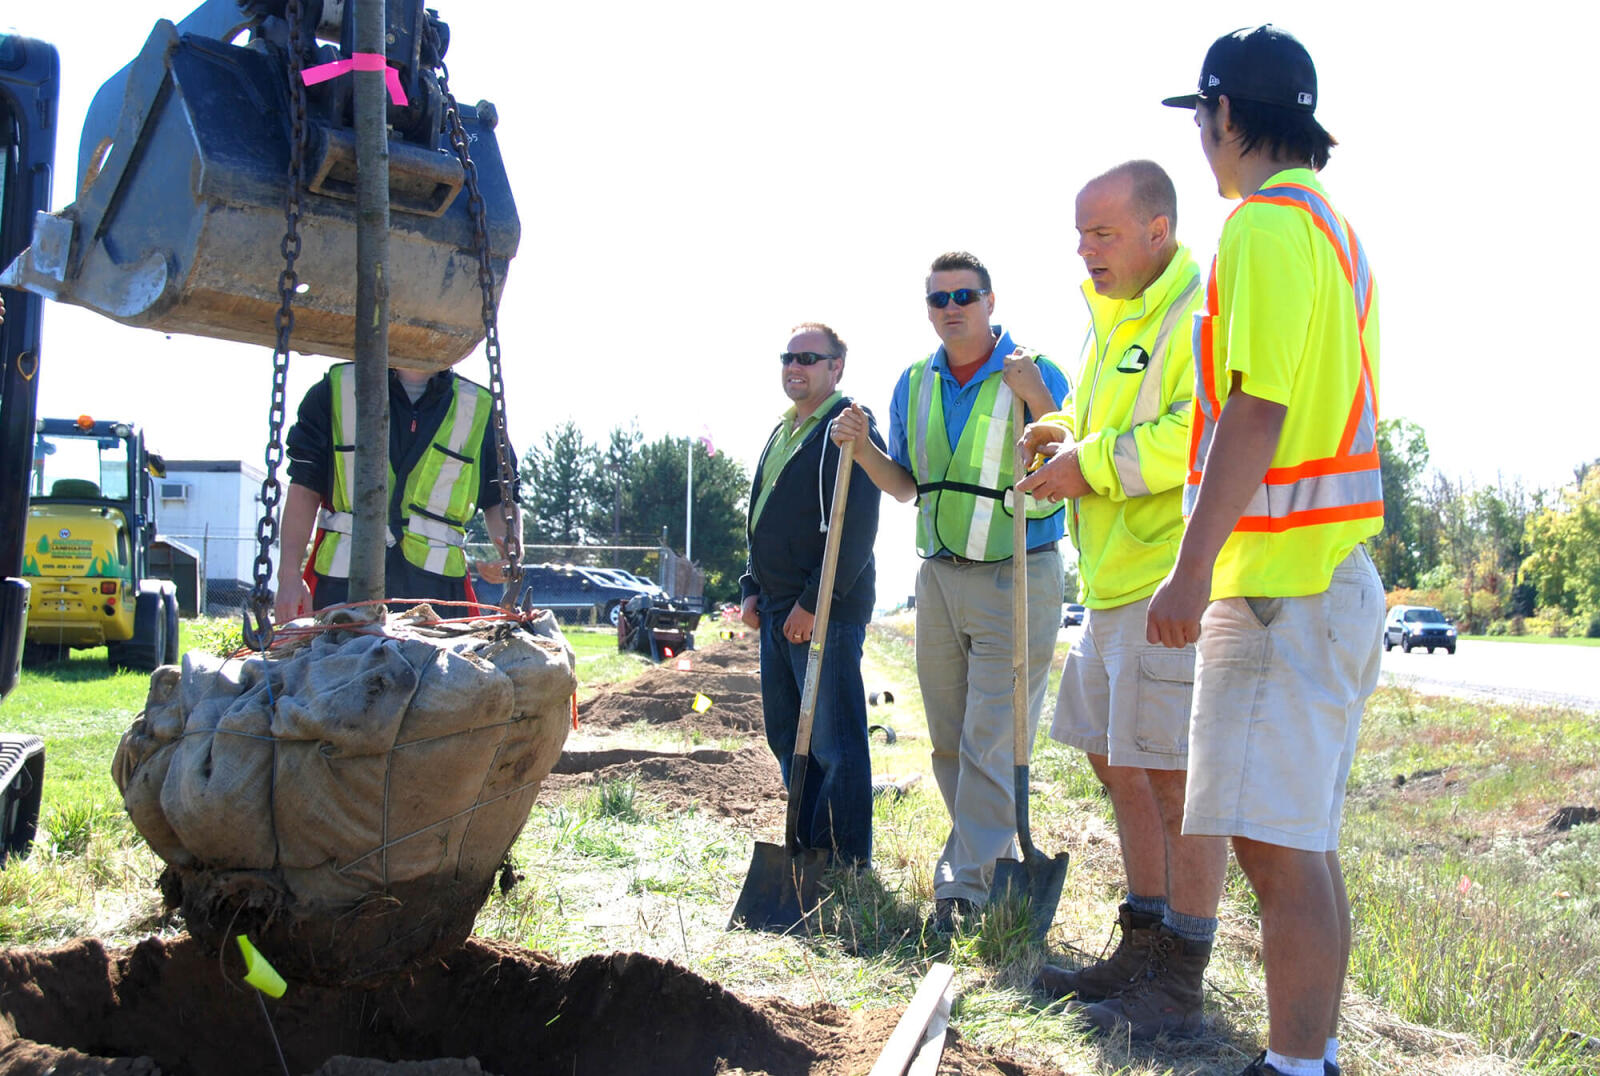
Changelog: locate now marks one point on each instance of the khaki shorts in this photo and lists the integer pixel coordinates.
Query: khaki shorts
(1280, 684)
(1123, 697)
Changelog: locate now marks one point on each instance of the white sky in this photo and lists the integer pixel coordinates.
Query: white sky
(695, 178)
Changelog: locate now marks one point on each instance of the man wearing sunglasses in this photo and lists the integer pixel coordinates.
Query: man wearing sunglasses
(790, 512)
(951, 443)
(1119, 456)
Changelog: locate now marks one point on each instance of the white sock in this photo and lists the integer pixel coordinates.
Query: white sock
(1295, 1066)
(1330, 1052)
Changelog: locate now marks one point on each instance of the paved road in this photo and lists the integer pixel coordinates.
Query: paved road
(1515, 672)
(1518, 672)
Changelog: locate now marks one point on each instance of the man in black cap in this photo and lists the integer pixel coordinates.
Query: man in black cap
(1273, 582)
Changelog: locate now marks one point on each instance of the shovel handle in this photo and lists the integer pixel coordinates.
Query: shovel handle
(819, 636)
(1019, 631)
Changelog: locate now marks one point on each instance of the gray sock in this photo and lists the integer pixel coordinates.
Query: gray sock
(1195, 928)
(1155, 906)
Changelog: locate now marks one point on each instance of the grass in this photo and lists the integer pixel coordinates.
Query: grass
(1550, 640)
(1477, 929)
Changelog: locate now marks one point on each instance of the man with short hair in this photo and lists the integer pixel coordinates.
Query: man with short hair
(791, 509)
(443, 468)
(951, 449)
(1273, 576)
(1119, 454)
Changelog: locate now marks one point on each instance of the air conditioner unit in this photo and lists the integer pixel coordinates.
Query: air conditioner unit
(174, 491)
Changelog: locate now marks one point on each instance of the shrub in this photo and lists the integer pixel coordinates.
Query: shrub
(1593, 631)
(1499, 627)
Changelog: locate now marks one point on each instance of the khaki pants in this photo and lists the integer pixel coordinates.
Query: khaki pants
(964, 668)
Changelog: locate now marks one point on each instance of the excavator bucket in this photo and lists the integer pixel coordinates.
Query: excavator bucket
(180, 216)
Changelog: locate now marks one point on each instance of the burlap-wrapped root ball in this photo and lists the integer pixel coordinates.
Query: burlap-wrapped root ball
(348, 801)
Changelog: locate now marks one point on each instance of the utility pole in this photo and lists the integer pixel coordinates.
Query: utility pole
(371, 494)
(688, 506)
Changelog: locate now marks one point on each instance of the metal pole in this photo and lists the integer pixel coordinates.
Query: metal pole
(371, 494)
(688, 508)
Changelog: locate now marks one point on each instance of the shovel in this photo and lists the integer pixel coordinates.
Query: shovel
(1036, 877)
(780, 890)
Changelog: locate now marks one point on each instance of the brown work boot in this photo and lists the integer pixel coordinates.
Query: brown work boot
(1109, 977)
(1167, 999)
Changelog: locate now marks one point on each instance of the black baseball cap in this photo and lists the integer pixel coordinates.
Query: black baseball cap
(1257, 63)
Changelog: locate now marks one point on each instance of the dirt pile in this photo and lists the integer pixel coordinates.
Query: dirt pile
(170, 1008)
(724, 672)
(733, 784)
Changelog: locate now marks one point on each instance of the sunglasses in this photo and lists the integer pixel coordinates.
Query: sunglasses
(804, 358)
(963, 297)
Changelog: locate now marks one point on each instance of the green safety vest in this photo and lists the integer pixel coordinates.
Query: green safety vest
(440, 493)
(964, 496)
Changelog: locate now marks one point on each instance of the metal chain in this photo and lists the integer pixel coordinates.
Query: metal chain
(258, 635)
(491, 332)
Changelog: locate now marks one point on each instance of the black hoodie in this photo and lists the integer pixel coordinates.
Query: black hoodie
(786, 544)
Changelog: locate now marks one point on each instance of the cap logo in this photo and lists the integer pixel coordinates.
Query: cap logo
(1213, 80)
(1305, 98)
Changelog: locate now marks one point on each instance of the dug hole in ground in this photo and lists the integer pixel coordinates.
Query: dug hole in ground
(421, 1000)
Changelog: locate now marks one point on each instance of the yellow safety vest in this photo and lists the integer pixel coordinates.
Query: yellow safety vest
(960, 493)
(440, 493)
(1323, 493)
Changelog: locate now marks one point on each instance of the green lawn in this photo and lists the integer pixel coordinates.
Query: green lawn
(1541, 639)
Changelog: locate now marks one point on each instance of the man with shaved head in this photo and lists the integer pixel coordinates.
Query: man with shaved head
(1118, 453)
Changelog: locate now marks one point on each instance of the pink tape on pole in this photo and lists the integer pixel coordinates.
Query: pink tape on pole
(361, 61)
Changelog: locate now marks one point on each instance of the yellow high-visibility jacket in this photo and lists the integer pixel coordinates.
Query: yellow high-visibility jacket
(1129, 414)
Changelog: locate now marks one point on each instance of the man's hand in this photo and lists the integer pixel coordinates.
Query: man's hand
(1061, 477)
(851, 425)
(293, 600)
(1044, 439)
(748, 614)
(492, 571)
(1176, 607)
(1021, 372)
(797, 629)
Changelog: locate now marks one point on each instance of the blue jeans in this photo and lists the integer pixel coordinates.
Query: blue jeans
(836, 804)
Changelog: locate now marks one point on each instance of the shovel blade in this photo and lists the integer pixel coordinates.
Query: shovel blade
(1038, 879)
(780, 889)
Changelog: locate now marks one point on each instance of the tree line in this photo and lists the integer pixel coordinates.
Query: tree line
(1497, 558)
(628, 491)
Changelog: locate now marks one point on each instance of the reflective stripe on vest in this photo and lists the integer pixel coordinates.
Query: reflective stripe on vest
(960, 493)
(1147, 405)
(1344, 486)
(440, 492)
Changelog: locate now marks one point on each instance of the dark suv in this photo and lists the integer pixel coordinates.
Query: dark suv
(1418, 625)
(568, 589)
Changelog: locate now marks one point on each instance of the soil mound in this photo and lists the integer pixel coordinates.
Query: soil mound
(166, 1007)
(726, 672)
(730, 783)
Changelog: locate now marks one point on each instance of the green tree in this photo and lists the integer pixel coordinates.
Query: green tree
(561, 483)
(657, 481)
(1564, 539)
(1400, 552)
(613, 509)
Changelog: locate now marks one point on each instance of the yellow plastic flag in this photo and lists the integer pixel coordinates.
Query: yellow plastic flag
(702, 703)
(257, 972)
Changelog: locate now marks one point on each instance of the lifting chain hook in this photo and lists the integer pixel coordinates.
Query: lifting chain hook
(491, 332)
(259, 634)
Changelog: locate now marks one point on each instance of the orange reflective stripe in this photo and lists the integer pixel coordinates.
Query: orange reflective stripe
(1279, 476)
(1310, 517)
